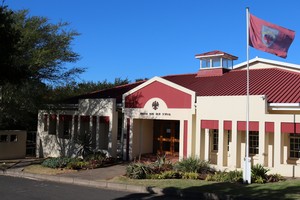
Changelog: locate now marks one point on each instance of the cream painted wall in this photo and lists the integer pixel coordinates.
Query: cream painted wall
(142, 141)
(53, 146)
(233, 108)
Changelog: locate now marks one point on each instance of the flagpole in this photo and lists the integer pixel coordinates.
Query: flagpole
(247, 165)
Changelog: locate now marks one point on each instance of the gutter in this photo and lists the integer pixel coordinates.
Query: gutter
(284, 106)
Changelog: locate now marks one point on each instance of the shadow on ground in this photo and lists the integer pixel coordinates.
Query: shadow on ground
(224, 191)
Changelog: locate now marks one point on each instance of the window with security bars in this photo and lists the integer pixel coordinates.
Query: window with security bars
(215, 139)
(253, 142)
(294, 145)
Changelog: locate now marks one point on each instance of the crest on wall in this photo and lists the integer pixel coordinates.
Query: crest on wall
(155, 105)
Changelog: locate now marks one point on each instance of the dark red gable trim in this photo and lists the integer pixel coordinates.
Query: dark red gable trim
(173, 97)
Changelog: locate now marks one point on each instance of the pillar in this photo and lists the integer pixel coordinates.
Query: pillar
(221, 150)
(206, 145)
(277, 145)
(261, 144)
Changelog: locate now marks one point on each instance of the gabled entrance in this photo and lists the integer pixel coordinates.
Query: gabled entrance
(166, 137)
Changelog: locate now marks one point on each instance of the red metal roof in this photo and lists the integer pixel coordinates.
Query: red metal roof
(115, 92)
(280, 86)
(216, 52)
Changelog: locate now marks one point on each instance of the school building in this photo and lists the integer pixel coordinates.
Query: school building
(201, 114)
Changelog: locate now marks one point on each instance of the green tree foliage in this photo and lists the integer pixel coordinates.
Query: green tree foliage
(71, 89)
(33, 53)
(9, 39)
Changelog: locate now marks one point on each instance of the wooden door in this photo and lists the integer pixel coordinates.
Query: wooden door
(166, 137)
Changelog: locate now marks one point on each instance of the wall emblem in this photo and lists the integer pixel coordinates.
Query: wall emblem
(155, 105)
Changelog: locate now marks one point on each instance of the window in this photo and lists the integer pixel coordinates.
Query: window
(215, 139)
(294, 145)
(45, 122)
(65, 126)
(229, 140)
(205, 63)
(52, 125)
(216, 62)
(13, 138)
(3, 138)
(253, 142)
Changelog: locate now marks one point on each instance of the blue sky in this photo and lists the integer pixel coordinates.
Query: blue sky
(146, 38)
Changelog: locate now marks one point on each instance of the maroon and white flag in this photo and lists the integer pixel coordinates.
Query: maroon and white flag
(269, 37)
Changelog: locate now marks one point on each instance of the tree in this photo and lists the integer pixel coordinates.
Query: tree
(71, 89)
(33, 55)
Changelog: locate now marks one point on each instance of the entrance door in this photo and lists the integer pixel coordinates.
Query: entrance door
(166, 137)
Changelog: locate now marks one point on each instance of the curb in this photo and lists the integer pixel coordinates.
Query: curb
(83, 182)
(117, 186)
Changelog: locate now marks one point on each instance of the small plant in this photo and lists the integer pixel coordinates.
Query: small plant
(138, 170)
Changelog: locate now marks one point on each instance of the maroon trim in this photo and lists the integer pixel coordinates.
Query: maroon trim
(269, 127)
(85, 118)
(65, 117)
(104, 119)
(53, 117)
(185, 138)
(290, 127)
(227, 125)
(253, 126)
(210, 124)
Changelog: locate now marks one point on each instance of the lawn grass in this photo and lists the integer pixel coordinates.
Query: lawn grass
(39, 169)
(289, 189)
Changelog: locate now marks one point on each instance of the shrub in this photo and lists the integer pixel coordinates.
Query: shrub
(85, 144)
(169, 175)
(137, 170)
(223, 176)
(217, 176)
(193, 164)
(259, 173)
(190, 175)
(59, 162)
(235, 176)
(78, 164)
(161, 165)
(275, 178)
